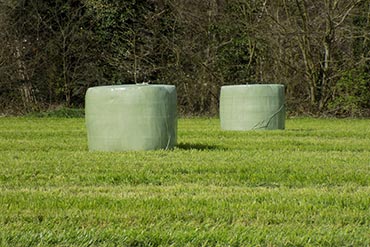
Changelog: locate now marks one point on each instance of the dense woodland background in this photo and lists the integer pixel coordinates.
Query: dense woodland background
(52, 50)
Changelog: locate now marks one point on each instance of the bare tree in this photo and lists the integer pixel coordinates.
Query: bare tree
(312, 35)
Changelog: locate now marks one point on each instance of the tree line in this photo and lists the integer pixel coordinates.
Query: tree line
(52, 50)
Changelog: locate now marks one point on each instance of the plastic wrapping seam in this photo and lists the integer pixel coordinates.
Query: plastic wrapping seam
(261, 125)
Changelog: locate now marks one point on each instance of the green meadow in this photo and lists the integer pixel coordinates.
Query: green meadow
(308, 185)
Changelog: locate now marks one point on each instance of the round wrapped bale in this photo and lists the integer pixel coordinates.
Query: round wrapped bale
(250, 107)
(131, 117)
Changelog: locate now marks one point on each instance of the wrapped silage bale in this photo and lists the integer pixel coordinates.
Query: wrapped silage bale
(251, 107)
(131, 117)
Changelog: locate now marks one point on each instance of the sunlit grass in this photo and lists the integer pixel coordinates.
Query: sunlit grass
(306, 185)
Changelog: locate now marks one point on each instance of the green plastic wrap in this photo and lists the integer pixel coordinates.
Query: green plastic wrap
(131, 117)
(250, 107)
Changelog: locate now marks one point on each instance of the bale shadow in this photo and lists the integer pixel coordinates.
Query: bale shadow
(198, 146)
(300, 129)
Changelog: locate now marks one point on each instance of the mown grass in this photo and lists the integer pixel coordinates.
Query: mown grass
(308, 185)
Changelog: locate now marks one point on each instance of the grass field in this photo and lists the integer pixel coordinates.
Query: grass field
(308, 185)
